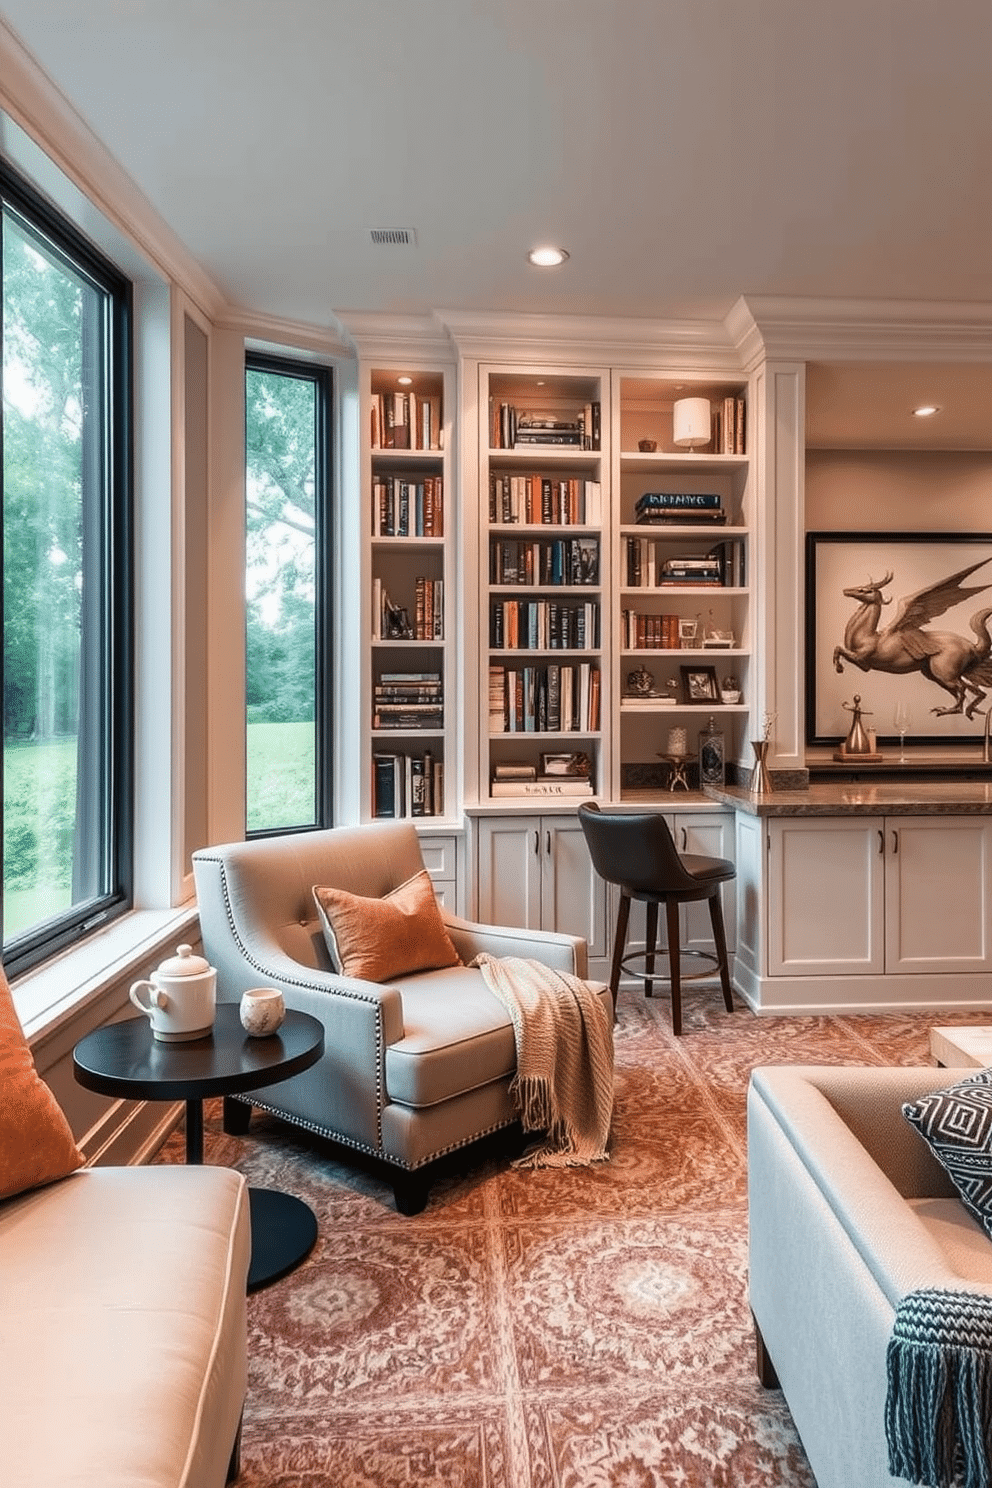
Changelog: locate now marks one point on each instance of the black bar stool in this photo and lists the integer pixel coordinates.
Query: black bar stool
(635, 851)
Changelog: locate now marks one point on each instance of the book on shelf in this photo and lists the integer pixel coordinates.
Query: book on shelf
(687, 516)
(649, 632)
(639, 702)
(407, 508)
(679, 501)
(405, 420)
(550, 501)
(732, 560)
(731, 420)
(555, 698)
(544, 561)
(515, 428)
(511, 770)
(546, 789)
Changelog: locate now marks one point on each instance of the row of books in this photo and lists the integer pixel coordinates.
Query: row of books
(700, 508)
(544, 699)
(543, 625)
(408, 700)
(393, 622)
(729, 419)
(407, 508)
(405, 420)
(565, 560)
(649, 632)
(519, 428)
(647, 566)
(539, 498)
(407, 785)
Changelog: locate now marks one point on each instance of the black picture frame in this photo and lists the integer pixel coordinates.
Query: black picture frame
(699, 685)
(897, 566)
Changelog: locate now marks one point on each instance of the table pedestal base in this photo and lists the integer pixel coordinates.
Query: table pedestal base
(283, 1233)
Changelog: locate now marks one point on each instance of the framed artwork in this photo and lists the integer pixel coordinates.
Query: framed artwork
(903, 621)
(699, 684)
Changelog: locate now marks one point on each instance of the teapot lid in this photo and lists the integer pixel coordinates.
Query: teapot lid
(184, 964)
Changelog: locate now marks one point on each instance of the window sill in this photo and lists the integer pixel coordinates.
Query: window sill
(51, 996)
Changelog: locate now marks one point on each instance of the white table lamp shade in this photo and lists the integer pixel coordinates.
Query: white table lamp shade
(691, 422)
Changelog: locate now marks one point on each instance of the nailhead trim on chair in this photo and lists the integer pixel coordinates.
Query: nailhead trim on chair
(299, 982)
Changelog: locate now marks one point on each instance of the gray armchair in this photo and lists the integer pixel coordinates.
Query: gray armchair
(411, 1070)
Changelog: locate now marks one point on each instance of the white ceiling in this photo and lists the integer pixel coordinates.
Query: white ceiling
(685, 152)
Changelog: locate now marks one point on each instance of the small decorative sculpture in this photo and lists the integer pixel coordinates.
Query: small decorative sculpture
(857, 740)
(640, 682)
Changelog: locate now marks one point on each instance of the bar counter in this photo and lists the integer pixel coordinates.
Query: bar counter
(883, 797)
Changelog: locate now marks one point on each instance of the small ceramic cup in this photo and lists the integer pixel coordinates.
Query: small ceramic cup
(262, 1011)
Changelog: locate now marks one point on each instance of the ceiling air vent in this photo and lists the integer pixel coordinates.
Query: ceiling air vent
(393, 237)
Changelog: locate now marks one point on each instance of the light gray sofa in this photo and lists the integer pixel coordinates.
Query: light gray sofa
(848, 1212)
(123, 1335)
(412, 1070)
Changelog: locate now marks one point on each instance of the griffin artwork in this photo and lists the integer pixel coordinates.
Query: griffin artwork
(961, 667)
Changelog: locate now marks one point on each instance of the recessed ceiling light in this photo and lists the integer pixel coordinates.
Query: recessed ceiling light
(926, 410)
(404, 381)
(547, 257)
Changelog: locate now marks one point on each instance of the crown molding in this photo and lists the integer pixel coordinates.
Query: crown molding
(272, 332)
(376, 336)
(849, 330)
(684, 345)
(50, 123)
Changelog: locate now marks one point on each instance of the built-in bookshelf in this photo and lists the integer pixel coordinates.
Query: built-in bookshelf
(409, 700)
(546, 556)
(682, 560)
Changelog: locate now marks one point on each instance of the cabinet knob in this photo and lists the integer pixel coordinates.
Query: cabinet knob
(881, 843)
(537, 842)
(547, 844)
(685, 839)
(895, 842)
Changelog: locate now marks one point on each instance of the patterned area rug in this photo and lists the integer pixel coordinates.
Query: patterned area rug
(550, 1328)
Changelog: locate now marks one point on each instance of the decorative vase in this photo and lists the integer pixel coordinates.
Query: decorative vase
(761, 782)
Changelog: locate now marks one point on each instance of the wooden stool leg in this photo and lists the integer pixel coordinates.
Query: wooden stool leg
(619, 941)
(675, 962)
(650, 943)
(720, 941)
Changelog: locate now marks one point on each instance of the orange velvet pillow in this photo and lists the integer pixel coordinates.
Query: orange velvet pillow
(378, 939)
(36, 1145)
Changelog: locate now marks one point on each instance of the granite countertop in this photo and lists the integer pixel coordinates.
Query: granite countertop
(881, 798)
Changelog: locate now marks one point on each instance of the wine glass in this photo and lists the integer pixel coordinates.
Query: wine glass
(901, 719)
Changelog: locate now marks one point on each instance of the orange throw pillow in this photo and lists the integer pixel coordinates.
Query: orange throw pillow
(378, 939)
(36, 1144)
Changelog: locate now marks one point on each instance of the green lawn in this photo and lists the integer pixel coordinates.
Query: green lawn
(281, 759)
(39, 804)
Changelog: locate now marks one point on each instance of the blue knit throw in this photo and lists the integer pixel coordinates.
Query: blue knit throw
(938, 1406)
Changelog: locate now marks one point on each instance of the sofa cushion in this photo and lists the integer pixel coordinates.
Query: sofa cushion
(36, 1144)
(124, 1327)
(377, 940)
(956, 1124)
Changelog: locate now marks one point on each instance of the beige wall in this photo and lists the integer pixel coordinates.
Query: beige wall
(898, 491)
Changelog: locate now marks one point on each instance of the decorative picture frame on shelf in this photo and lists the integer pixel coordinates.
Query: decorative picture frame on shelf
(575, 765)
(863, 589)
(699, 685)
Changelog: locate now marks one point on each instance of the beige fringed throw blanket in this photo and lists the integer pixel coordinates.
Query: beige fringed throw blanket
(564, 1079)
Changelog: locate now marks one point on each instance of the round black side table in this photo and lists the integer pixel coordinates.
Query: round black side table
(124, 1060)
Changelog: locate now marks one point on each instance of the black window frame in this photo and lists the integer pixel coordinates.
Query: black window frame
(322, 376)
(62, 239)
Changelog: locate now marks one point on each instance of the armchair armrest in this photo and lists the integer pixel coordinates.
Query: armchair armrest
(561, 952)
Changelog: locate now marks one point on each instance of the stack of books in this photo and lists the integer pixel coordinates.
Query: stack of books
(408, 700)
(680, 506)
(708, 570)
(523, 780)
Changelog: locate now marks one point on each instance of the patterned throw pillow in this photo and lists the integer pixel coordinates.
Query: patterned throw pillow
(378, 939)
(956, 1123)
(36, 1144)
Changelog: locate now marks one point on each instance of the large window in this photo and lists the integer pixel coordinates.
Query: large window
(66, 663)
(287, 417)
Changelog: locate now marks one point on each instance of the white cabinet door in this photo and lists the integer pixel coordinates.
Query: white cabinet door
(938, 894)
(707, 835)
(535, 872)
(826, 885)
(510, 862)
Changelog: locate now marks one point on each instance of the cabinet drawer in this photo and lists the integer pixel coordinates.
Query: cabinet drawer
(440, 858)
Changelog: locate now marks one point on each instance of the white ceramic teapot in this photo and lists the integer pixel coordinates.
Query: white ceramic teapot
(180, 998)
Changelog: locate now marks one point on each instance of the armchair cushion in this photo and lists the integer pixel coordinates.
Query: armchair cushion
(379, 939)
(956, 1124)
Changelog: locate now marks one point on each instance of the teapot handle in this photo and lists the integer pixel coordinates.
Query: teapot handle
(156, 997)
